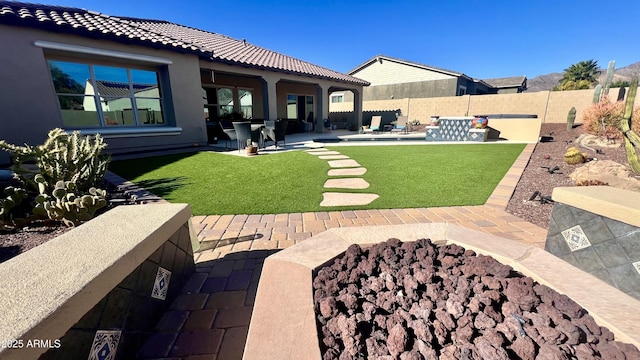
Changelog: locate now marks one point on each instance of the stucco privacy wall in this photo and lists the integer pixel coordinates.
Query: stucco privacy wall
(550, 106)
(27, 101)
(529, 103)
(423, 109)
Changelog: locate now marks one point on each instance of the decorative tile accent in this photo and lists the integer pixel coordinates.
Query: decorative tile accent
(576, 238)
(161, 284)
(455, 130)
(105, 345)
(637, 266)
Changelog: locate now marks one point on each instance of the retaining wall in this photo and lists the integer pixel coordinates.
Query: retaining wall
(97, 290)
(597, 229)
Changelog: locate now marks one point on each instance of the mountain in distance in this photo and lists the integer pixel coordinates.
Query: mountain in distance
(548, 81)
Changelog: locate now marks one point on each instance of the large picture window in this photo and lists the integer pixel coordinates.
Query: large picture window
(98, 95)
(219, 102)
(300, 107)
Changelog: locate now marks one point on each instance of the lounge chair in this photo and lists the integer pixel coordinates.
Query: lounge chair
(274, 130)
(401, 124)
(375, 125)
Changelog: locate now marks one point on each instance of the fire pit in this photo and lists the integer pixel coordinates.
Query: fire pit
(283, 324)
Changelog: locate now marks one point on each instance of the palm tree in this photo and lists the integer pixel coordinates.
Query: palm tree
(580, 75)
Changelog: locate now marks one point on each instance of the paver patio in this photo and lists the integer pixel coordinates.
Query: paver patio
(210, 319)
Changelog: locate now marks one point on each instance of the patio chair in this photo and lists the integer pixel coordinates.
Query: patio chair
(243, 132)
(375, 125)
(401, 124)
(274, 130)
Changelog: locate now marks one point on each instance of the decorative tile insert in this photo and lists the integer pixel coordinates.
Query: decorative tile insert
(105, 345)
(161, 284)
(576, 238)
(637, 266)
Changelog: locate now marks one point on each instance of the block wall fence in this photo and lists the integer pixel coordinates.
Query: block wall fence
(550, 106)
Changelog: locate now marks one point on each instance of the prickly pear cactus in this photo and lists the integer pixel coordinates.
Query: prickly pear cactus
(574, 156)
(15, 196)
(64, 204)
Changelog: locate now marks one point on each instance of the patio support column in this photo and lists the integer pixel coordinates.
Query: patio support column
(322, 107)
(270, 102)
(357, 106)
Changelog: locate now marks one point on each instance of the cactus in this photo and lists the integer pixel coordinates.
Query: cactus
(15, 196)
(609, 78)
(66, 157)
(64, 204)
(597, 93)
(574, 156)
(631, 139)
(571, 118)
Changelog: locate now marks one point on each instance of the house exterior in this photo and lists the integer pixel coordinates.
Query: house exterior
(508, 85)
(392, 78)
(144, 84)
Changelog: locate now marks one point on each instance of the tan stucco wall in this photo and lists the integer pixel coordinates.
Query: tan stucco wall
(517, 129)
(524, 103)
(549, 106)
(423, 109)
(29, 107)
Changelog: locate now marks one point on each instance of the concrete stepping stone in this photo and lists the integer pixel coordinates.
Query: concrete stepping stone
(347, 172)
(332, 157)
(346, 199)
(347, 183)
(325, 153)
(343, 163)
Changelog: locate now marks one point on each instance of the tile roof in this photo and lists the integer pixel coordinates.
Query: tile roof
(513, 81)
(162, 34)
(423, 66)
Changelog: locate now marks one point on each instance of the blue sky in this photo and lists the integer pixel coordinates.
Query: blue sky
(483, 39)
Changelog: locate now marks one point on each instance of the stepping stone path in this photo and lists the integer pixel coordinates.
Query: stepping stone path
(348, 172)
(342, 165)
(332, 157)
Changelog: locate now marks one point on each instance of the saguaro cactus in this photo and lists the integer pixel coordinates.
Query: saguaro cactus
(597, 93)
(631, 139)
(571, 118)
(609, 78)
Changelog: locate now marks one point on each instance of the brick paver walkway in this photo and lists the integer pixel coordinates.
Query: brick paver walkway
(210, 319)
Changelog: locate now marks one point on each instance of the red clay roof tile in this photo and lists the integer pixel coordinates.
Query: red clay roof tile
(162, 34)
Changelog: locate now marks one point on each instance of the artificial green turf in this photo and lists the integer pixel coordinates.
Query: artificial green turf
(215, 183)
(404, 176)
(433, 175)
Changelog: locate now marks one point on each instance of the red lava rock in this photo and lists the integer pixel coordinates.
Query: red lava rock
(397, 340)
(490, 351)
(483, 321)
(454, 307)
(524, 347)
(551, 352)
(328, 307)
(418, 301)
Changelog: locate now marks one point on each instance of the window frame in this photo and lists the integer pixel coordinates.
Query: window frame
(339, 96)
(91, 63)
